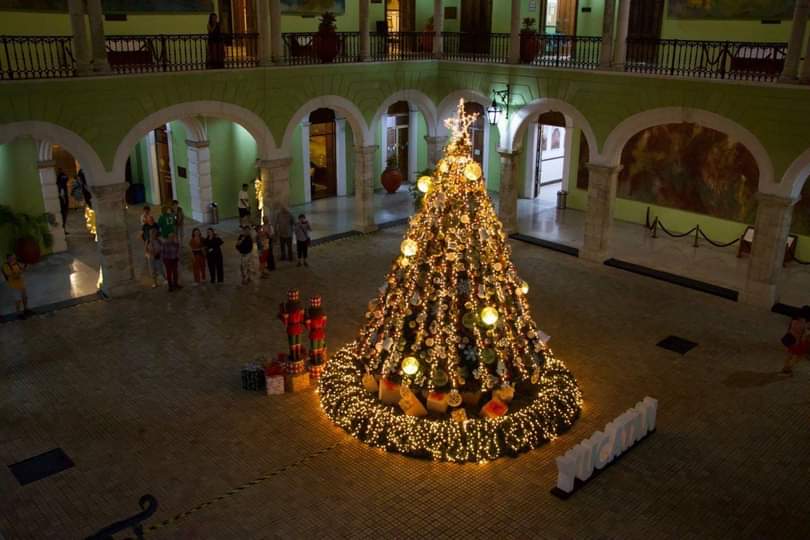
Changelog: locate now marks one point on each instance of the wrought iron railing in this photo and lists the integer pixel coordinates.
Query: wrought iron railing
(315, 48)
(706, 59)
(397, 46)
(487, 48)
(559, 50)
(181, 52)
(36, 57)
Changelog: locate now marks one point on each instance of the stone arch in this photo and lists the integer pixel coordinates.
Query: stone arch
(574, 118)
(621, 134)
(187, 113)
(49, 133)
(447, 107)
(796, 175)
(360, 130)
(417, 98)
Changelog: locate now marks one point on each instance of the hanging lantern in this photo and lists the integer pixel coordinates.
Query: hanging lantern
(489, 316)
(408, 247)
(473, 171)
(424, 183)
(410, 365)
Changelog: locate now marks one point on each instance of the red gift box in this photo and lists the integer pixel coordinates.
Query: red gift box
(274, 369)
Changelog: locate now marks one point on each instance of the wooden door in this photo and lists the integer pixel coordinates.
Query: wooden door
(566, 17)
(163, 165)
(476, 22)
(243, 13)
(322, 157)
(646, 19)
(476, 131)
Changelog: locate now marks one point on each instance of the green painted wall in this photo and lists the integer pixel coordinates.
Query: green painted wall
(421, 146)
(180, 159)
(233, 163)
(19, 183)
(493, 172)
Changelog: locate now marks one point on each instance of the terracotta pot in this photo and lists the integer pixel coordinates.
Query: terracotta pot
(327, 46)
(391, 179)
(27, 250)
(529, 47)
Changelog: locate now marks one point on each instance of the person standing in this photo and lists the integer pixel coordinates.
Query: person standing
(179, 220)
(244, 206)
(88, 197)
(170, 253)
(166, 223)
(284, 229)
(216, 44)
(302, 230)
(13, 272)
(147, 223)
(213, 252)
(62, 192)
(244, 245)
(269, 232)
(197, 245)
(152, 250)
(262, 250)
(797, 339)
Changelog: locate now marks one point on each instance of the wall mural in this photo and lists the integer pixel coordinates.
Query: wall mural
(116, 6)
(313, 7)
(731, 9)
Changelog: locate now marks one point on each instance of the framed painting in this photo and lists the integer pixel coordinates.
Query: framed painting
(116, 6)
(731, 9)
(312, 7)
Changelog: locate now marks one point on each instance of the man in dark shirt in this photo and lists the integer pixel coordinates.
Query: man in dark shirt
(62, 192)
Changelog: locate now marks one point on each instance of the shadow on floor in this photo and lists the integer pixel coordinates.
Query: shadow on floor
(753, 379)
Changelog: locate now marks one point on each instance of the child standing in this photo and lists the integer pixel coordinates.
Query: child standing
(197, 246)
(263, 248)
(170, 253)
(244, 245)
(13, 272)
(153, 248)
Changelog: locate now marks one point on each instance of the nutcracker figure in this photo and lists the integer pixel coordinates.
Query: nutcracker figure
(292, 316)
(316, 324)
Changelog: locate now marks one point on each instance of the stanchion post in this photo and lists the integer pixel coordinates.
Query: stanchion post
(697, 232)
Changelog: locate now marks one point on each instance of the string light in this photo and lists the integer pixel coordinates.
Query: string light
(452, 319)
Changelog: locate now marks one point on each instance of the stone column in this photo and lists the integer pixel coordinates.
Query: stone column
(606, 54)
(265, 38)
(790, 71)
(199, 179)
(364, 188)
(622, 27)
(602, 181)
(514, 34)
(438, 28)
(804, 74)
(276, 41)
(50, 196)
(81, 50)
(97, 40)
(507, 204)
(275, 175)
(365, 50)
(435, 146)
(771, 231)
(113, 239)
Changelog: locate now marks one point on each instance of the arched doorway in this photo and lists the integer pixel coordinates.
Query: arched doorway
(549, 144)
(397, 136)
(323, 157)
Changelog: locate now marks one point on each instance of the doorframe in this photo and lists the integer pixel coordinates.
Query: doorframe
(305, 157)
(154, 175)
(531, 160)
(172, 164)
(340, 158)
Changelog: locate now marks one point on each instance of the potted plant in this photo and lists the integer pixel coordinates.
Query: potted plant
(27, 233)
(391, 178)
(529, 41)
(327, 43)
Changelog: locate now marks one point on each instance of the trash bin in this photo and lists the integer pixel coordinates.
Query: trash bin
(562, 199)
(213, 213)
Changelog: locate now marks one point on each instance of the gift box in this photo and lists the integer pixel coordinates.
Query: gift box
(411, 405)
(459, 415)
(315, 371)
(504, 393)
(370, 383)
(296, 382)
(389, 392)
(296, 367)
(274, 369)
(494, 408)
(437, 402)
(252, 378)
(274, 385)
(471, 399)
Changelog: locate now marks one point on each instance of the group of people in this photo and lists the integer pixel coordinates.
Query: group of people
(163, 239)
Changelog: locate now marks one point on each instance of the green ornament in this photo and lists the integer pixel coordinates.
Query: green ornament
(469, 319)
(440, 377)
(488, 356)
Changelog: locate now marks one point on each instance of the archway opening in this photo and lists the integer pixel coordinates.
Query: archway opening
(323, 158)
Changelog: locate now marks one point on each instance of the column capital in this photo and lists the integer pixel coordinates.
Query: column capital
(277, 163)
(110, 192)
(434, 139)
(366, 149)
(197, 144)
(508, 154)
(601, 168)
(46, 164)
(769, 199)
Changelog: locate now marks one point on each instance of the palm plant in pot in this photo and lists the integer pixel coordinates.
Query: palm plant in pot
(27, 233)
(391, 178)
(327, 43)
(529, 41)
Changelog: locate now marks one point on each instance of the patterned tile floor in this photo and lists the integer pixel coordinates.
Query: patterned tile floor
(143, 394)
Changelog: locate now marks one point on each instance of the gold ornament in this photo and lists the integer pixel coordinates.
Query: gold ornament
(410, 365)
(472, 171)
(424, 183)
(444, 167)
(409, 247)
(524, 287)
(454, 399)
(489, 315)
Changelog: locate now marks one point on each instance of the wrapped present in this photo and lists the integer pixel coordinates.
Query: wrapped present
(505, 393)
(459, 415)
(370, 383)
(437, 402)
(315, 371)
(471, 399)
(274, 369)
(296, 367)
(411, 405)
(252, 377)
(296, 382)
(274, 384)
(389, 391)
(494, 408)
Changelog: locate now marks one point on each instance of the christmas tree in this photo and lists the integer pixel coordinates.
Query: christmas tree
(450, 364)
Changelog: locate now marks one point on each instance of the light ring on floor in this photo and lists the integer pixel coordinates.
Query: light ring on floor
(348, 404)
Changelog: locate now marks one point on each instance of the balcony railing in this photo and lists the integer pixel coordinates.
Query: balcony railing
(39, 57)
(36, 57)
(185, 52)
(706, 59)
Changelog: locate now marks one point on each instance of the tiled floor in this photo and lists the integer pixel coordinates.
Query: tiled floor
(143, 394)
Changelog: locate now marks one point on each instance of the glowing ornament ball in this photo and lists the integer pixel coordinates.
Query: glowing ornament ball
(472, 171)
(424, 183)
(410, 366)
(524, 287)
(489, 316)
(409, 247)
